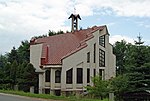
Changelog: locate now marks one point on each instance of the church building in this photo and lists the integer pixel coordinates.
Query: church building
(66, 62)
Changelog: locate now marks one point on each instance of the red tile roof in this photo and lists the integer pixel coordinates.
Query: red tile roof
(57, 47)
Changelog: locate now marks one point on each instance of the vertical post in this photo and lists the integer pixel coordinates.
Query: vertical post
(40, 83)
(32, 89)
(111, 96)
(74, 78)
(77, 24)
(72, 29)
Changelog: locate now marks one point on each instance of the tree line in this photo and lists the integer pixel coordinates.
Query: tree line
(132, 67)
(16, 72)
(133, 73)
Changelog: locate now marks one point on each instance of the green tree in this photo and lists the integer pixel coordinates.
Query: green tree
(100, 88)
(13, 55)
(13, 71)
(23, 51)
(29, 77)
(120, 49)
(119, 85)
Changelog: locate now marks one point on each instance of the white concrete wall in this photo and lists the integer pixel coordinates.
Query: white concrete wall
(77, 60)
(35, 56)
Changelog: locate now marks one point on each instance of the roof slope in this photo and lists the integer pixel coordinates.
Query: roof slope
(57, 47)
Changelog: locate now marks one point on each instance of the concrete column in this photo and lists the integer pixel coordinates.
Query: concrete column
(52, 79)
(74, 77)
(63, 79)
(84, 75)
(32, 89)
(111, 96)
(40, 82)
(91, 75)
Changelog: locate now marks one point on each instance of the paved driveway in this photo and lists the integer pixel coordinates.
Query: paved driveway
(10, 97)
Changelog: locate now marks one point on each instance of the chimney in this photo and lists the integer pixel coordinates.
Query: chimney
(74, 23)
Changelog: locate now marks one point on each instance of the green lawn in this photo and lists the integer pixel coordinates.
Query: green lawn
(47, 96)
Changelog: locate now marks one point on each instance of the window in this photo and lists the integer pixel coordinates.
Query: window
(79, 75)
(101, 58)
(94, 52)
(102, 40)
(69, 76)
(57, 92)
(47, 91)
(100, 72)
(47, 76)
(57, 76)
(88, 75)
(88, 57)
(94, 72)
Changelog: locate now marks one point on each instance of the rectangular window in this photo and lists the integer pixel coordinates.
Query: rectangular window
(94, 53)
(47, 76)
(88, 57)
(102, 40)
(79, 75)
(57, 76)
(88, 75)
(47, 91)
(94, 72)
(100, 72)
(69, 76)
(101, 58)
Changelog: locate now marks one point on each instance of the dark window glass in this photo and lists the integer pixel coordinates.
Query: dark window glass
(101, 58)
(100, 72)
(57, 76)
(47, 76)
(88, 75)
(94, 72)
(94, 53)
(88, 57)
(102, 40)
(69, 76)
(47, 91)
(79, 75)
(57, 92)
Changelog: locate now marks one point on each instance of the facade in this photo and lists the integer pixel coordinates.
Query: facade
(66, 62)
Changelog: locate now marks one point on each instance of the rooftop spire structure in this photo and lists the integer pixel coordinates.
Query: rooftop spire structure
(74, 23)
(139, 42)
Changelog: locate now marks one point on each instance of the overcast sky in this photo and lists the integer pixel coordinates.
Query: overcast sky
(22, 19)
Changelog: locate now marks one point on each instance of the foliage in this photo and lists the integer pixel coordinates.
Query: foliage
(133, 62)
(120, 50)
(51, 33)
(47, 96)
(100, 88)
(16, 70)
(119, 85)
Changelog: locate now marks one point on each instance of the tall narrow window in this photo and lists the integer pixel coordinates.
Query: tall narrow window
(94, 72)
(100, 72)
(57, 76)
(102, 40)
(94, 53)
(88, 75)
(101, 58)
(79, 75)
(47, 76)
(88, 57)
(69, 76)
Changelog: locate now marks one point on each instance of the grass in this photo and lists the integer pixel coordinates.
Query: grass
(47, 96)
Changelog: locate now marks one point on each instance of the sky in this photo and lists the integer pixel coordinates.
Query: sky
(23, 19)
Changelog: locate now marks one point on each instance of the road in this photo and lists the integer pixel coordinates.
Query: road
(10, 97)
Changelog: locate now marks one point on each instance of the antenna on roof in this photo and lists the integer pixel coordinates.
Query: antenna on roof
(139, 42)
(74, 18)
